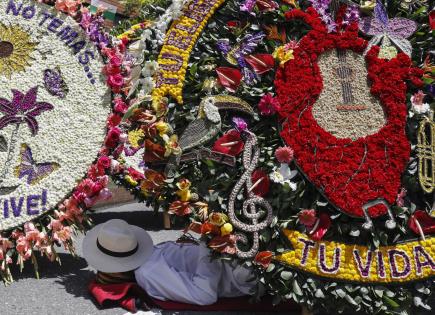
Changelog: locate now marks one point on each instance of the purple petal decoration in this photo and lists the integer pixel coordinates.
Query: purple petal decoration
(381, 13)
(248, 6)
(351, 15)
(33, 124)
(224, 46)
(29, 99)
(6, 107)
(39, 108)
(250, 42)
(17, 99)
(23, 108)
(322, 8)
(400, 27)
(7, 120)
(371, 26)
(240, 124)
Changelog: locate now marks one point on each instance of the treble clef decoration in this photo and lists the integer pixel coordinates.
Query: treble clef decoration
(250, 211)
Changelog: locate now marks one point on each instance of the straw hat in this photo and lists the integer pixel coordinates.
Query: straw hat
(116, 246)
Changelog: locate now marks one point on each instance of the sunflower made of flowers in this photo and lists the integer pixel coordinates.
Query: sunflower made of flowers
(16, 48)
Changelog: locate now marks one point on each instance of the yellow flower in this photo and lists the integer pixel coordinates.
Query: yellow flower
(184, 191)
(130, 180)
(184, 184)
(171, 145)
(226, 229)
(160, 105)
(184, 194)
(283, 54)
(135, 136)
(368, 5)
(218, 218)
(15, 49)
(162, 128)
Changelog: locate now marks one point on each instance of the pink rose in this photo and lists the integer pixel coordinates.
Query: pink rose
(104, 162)
(116, 82)
(112, 138)
(120, 106)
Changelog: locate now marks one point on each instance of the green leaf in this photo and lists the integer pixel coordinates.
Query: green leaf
(390, 301)
(130, 111)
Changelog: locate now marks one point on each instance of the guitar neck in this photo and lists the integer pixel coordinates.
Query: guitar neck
(344, 73)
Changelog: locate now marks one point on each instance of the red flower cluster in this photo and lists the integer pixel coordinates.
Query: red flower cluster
(349, 172)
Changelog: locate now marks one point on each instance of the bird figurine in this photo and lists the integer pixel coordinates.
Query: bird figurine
(206, 126)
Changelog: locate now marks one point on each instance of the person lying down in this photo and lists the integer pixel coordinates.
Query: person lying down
(180, 272)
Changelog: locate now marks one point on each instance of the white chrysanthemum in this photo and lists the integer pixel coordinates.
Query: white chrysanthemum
(149, 68)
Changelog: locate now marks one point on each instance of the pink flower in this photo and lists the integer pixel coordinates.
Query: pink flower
(23, 247)
(115, 61)
(63, 235)
(308, 217)
(112, 138)
(268, 105)
(68, 6)
(113, 120)
(104, 162)
(284, 154)
(116, 82)
(120, 106)
(400, 201)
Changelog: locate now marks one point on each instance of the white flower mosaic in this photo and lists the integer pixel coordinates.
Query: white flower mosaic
(48, 57)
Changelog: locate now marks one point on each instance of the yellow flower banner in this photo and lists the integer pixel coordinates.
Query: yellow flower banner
(387, 264)
(180, 40)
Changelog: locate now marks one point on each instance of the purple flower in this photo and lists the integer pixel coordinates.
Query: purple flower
(248, 6)
(351, 15)
(322, 7)
(23, 108)
(240, 124)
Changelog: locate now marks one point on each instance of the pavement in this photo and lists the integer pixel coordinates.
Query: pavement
(63, 289)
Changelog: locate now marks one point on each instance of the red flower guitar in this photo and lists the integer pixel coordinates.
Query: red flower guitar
(350, 170)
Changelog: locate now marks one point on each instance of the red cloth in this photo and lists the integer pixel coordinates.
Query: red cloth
(125, 295)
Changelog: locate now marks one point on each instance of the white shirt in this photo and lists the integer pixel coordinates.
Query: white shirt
(185, 273)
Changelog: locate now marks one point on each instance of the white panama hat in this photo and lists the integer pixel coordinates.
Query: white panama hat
(116, 246)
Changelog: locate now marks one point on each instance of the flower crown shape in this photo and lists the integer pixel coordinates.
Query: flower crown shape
(350, 173)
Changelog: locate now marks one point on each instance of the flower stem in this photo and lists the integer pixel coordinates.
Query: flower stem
(12, 144)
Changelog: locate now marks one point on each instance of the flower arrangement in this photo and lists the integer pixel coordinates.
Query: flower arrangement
(271, 55)
(47, 143)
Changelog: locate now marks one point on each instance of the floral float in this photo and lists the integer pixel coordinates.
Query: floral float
(285, 134)
(54, 103)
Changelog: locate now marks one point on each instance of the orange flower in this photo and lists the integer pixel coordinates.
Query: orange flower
(180, 208)
(152, 183)
(263, 258)
(224, 244)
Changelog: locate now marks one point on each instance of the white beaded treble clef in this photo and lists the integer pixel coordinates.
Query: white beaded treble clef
(250, 212)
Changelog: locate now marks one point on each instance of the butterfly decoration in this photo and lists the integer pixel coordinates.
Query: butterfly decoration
(35, 172)
(54, 82)
(384, 30)
(236, 55)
